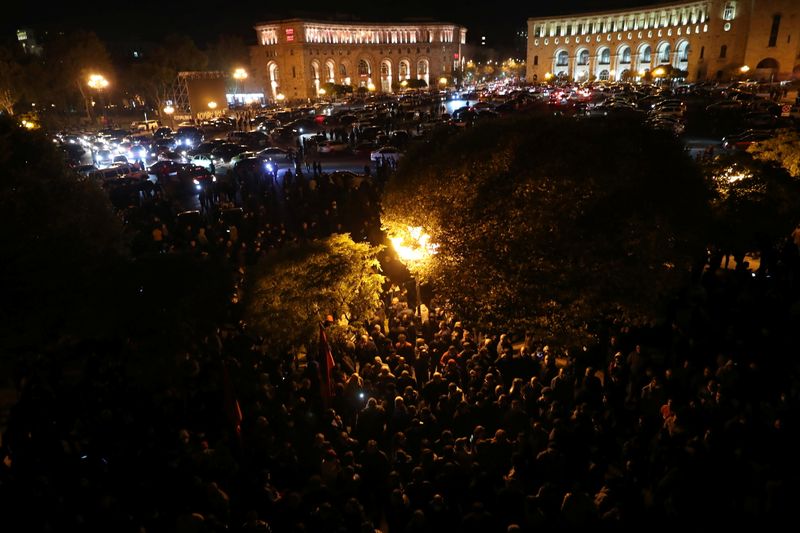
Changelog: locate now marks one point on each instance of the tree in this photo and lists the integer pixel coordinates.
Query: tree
(227, 53)
(59, 237)
(302, 284)
(71, 58)
(155, 76)
(756, 203)
(544, 223)
(10, 73)
(782, 149)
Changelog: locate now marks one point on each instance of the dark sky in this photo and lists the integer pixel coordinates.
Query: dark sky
(203, 20)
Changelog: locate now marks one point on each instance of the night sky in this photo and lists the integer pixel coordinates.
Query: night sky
(150, 19)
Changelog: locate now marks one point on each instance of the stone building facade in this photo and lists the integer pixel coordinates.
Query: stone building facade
(294, 58)
(707, 40)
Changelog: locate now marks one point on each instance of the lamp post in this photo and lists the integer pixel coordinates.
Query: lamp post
(658, 74)
(239, 74)
(744, 69)
(321, 92)
(280, 97)
(169, 110)
(415, 249)
(98, 82)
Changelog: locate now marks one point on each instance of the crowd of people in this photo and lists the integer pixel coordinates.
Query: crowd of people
(430, 424)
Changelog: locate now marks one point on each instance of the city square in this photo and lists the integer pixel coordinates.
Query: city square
(400, 269)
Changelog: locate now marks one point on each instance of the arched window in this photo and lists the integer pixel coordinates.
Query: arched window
(605, 56)
(342, 70)
(683, 52)
(663, 53)
(403, 69)
(646, 55)
(603, 75)
(562, 59)
(583, 57)
(729, 13)
(626, 56)
(363, 68)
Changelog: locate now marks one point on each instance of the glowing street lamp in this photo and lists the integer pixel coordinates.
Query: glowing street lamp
(239, 74)
(744, 69)
(212, 105)
(98, 82)
(404, 84)
(415, 249)
(321, 91)
(169, 110)
(443, 81)
(280, 97)
(548, 76)
(371, 87)
(659, 72)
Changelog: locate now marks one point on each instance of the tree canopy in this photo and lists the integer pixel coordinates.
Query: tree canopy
(756, 202)
(783, 150)
(58, 233)
(544, 224)
(300, 285)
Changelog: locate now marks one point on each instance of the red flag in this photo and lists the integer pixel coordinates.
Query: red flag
(232, 407)
(326, 366)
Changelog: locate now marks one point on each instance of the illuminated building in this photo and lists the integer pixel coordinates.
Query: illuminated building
(712, 39)
(297, 57)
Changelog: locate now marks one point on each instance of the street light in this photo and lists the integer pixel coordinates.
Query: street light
(414, 248)
(404, 84)
(239, 74)
(98, 82)
(212, 105)
(321, 91)
(371, 87)
(548, 76)
(169, 110)
(280, 97)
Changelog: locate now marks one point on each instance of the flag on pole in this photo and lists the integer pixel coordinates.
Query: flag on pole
(326, 363)
(232, 407)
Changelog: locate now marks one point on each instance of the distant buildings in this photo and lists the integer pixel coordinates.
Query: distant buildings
(295, 57)
(711, 39)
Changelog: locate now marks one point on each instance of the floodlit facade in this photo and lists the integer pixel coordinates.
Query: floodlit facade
(295, 57)
(707, 40)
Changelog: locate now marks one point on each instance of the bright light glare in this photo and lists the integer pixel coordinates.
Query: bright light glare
(240, 73)
(97, 81)
(414, 247)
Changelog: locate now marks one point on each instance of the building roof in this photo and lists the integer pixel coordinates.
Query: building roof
(351, 23)
(621, 11)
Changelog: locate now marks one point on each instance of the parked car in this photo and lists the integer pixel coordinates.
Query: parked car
(225, 152)
(188, 137)
(333, 147)
(202, 160)
(386, 153)
(743, 140)
(273, 153)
